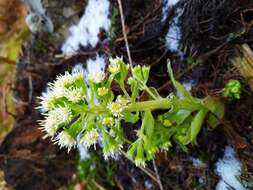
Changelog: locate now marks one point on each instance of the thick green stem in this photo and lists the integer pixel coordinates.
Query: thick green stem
(161, 103)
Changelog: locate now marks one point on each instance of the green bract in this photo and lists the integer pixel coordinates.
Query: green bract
(232, 89)
(84, 109)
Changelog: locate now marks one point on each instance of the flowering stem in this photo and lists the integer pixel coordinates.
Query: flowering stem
(161, 103)
(149, 92)
(124, 91)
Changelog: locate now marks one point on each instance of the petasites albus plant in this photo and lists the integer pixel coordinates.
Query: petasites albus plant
(85, 109)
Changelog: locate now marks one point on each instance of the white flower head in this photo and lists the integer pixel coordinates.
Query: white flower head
(115, 108)
(103, 91)
(62, 114)
(108, 121)
(74, 95)
(64, 139)
(112, 152)
(122, 101)
(118, 106)
(114, 66)
(47, 101)
(49, 98)
(50, 126)
(63, 81)
(90, 138)
(96, 77)
(54, 119)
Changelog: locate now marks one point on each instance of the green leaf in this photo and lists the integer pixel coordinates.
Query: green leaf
(178, 117)
(135, 89)
(162, 134)
(182, 135)
(148, 123)
(145, 73)
(179, 87)
(197, 123)
(118, 130)
(74, 128)
(212, 121)
(132, 151)
(216, 107)
(130, 117)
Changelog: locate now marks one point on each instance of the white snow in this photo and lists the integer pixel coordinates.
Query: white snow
(83, 151)
(95, 65)
(78, 68)
(229, 169)
(148, 184)
(167, 5)
(95, 18)
(173, 37)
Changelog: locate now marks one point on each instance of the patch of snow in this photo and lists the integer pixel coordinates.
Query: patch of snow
(95, 18)
(95, 65)
(229, 169)
(148, 184)
(83, 151)
(37, 20)
(174, 34)
(78, 68)
(201, 180)
(167, 5)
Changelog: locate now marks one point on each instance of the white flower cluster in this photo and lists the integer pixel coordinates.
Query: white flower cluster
(54, 119)
(57, 113)
(62, 87)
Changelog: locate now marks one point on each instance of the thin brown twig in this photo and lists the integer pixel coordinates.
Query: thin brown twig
(98, 185)
(148, 172)
(30, 82)
(124, 33)
(157, 175)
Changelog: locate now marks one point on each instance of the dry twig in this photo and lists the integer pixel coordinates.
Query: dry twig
(124, 33)
(157, 175)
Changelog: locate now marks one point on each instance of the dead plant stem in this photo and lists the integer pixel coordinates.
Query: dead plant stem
(157, 175)
(124, 33)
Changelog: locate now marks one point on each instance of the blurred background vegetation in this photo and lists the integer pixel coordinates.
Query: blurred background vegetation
(13, 31)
